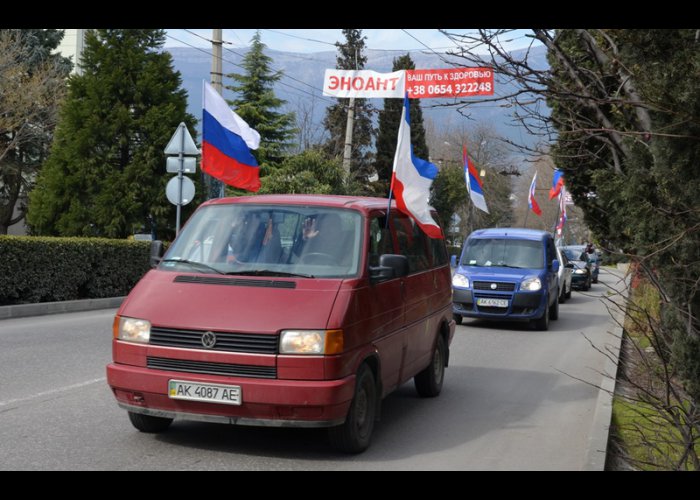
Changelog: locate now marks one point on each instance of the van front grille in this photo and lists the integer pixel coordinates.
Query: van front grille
(225, 341)
(500, 286)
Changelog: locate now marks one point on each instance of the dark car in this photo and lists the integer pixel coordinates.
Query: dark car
(582, 276)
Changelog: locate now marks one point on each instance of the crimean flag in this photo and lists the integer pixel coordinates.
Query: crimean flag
(531, 201)
(474, 184)
(557, 183)
(226, 143)
(412, 178)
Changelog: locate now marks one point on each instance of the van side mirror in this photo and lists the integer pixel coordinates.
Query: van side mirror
(390, 266)
(156, 252)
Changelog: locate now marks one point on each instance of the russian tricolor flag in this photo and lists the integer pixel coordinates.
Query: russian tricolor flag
(226, 143)
(474, 184)
(412, 179)
(531, 201)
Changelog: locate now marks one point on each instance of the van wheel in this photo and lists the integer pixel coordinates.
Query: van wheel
(149, 424)
(458, 318)
(542, 323)
(554, 311)
(429, 382)
(354, 435)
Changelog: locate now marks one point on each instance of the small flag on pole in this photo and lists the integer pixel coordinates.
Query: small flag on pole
(474, 184)
(557, 183)
(531, 201)
(562, 211)
(226, 143)
(412, 178)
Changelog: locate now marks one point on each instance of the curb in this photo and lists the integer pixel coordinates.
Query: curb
(596, 451)
(44, 308)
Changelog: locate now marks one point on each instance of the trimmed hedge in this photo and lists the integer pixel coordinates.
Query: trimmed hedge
(41, 269)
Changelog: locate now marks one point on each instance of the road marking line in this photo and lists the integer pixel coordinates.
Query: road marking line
(51, 392)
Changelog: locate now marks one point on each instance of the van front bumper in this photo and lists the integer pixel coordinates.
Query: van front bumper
(521, 305)
(265, 402)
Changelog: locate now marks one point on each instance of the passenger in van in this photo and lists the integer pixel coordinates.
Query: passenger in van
(321, 238)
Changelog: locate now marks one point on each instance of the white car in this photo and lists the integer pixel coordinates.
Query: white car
(566, 270)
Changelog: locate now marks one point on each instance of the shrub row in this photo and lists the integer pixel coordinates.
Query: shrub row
(39, 269)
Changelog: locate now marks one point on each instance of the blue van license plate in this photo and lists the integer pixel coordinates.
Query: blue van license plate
(487, 302)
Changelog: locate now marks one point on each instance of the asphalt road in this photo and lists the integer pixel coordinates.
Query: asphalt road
(511, 401)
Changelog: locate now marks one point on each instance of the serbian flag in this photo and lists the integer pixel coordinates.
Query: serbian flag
(474, 184)
(226, 143)
(412, 178)
(557, 183)
(531, 201)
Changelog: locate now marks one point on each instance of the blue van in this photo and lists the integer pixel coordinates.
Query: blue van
(507, 274)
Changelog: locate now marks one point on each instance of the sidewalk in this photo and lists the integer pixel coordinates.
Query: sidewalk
(43, 308)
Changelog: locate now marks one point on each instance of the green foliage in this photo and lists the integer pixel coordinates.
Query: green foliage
(448, 192)
(41, 269)
(389, 120)
(105, 175)
(309, 172)
(257, 104)
(32, 84)
(350, 56)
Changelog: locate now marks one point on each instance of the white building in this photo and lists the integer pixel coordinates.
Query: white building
(72, 46)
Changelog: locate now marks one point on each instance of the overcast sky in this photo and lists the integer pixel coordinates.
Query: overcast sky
(317, 40)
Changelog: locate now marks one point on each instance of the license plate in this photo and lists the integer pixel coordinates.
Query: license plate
(486, 302)
(209, 393)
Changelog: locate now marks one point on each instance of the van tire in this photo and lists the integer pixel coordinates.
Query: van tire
(542, 323)
(355, 434)
(429, 382)
(148, 423)
(554, 310)
(458, 318)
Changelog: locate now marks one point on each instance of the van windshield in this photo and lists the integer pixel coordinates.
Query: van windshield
(521, 254)
(268, 240)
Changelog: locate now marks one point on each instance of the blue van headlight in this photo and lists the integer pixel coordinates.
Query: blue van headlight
(531, 284)
(460, 281)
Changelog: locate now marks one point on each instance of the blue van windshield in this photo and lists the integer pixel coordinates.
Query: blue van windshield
(520, 254)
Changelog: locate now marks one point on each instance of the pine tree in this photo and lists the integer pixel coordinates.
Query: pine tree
(105, 175)
(389, 120)
(32, 84)
(350, 56)
(257, 104)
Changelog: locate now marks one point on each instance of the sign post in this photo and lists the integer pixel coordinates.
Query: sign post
(181, 191)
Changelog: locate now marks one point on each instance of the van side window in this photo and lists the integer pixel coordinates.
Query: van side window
(439, 252)
(551, 252)
(412, 242)
(379, 240)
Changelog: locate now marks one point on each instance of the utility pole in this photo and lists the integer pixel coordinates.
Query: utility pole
(347, 155)
(216, 187)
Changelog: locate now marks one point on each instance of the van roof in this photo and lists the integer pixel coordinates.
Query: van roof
(360, 203)
(515, 233)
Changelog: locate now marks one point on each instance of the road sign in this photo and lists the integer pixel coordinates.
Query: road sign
(172, 191)
(189, 165)
(181, 142)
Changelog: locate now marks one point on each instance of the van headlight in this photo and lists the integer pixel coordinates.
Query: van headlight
(580, 271)
(460, 281)
(317, 342)
(132, 329)
(531, 285)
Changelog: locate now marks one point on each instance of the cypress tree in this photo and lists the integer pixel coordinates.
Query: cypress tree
(350, 56)
(257, 104)
(105, 175)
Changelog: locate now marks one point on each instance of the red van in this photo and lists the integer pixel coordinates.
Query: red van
(285, 310)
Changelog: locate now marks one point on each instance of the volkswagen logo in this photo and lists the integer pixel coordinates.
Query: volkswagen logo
(493, 287)
(208, 340)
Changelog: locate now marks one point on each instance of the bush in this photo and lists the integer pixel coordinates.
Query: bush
(42, 269)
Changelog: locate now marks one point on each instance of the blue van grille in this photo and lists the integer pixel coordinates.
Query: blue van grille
(500, 286)
(225, 341)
